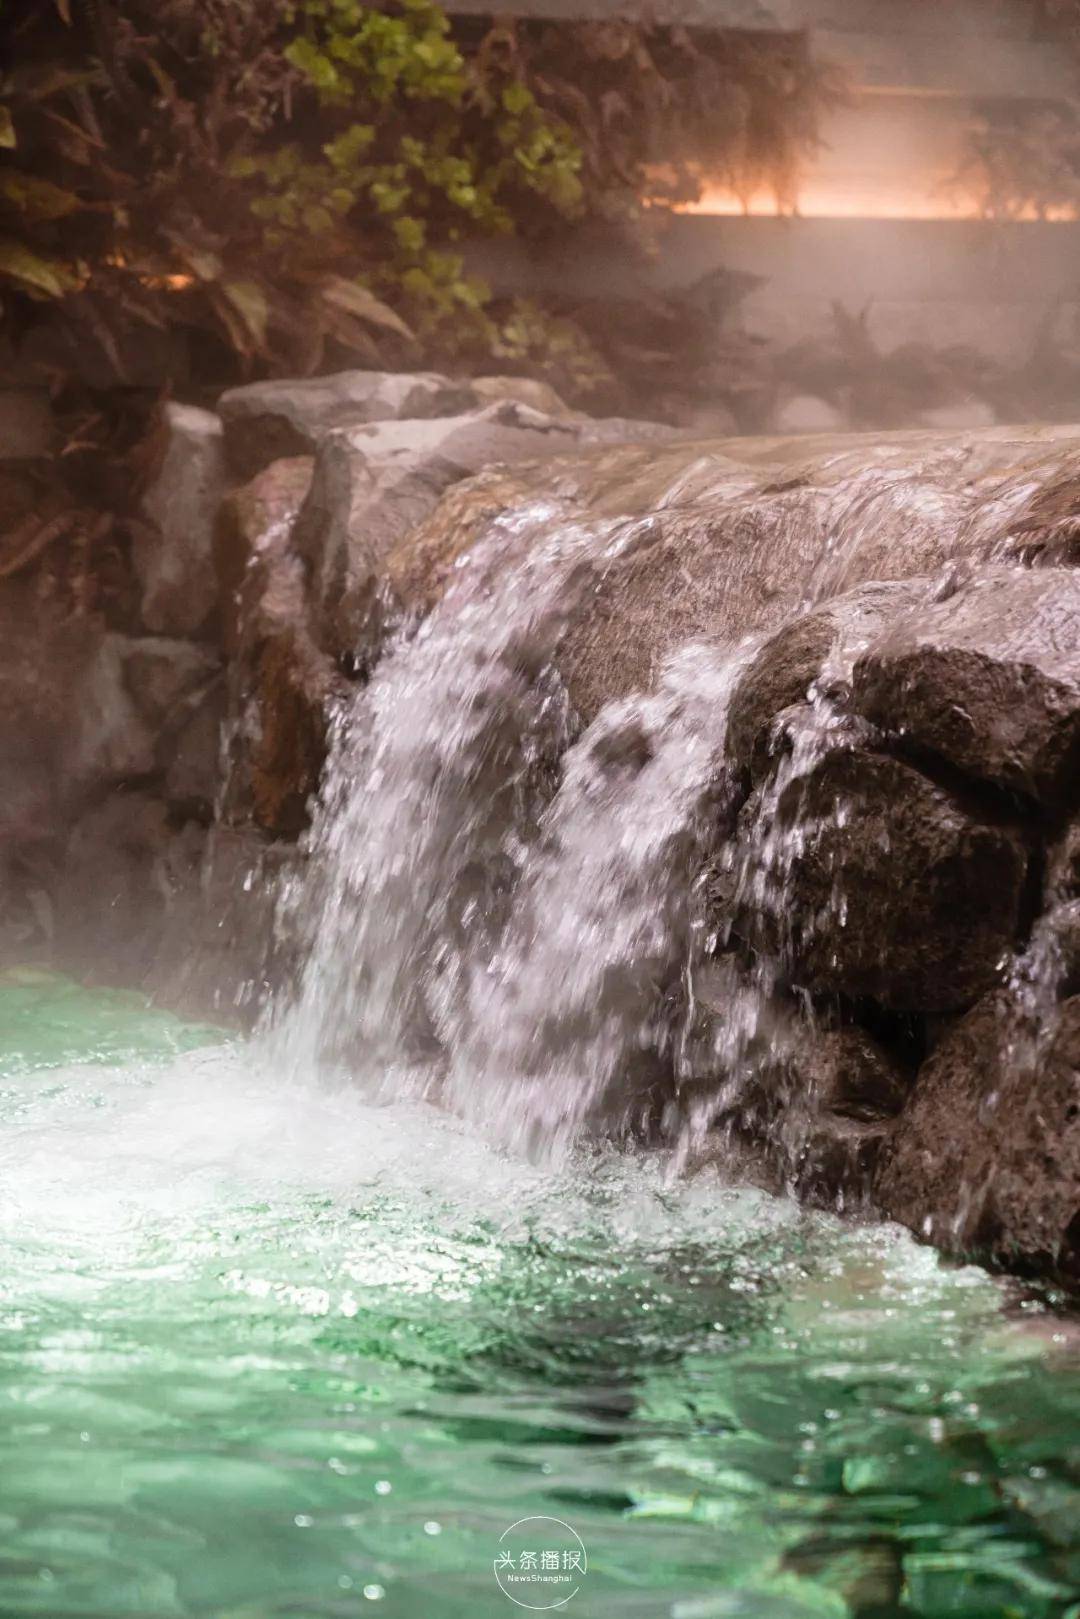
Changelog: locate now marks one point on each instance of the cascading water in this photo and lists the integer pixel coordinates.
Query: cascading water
(431, 805)
(511, 918)
(268, 1348)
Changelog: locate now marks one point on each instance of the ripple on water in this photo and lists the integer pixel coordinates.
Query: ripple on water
(268, 1349)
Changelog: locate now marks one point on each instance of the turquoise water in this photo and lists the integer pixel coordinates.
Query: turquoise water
(268, 1350)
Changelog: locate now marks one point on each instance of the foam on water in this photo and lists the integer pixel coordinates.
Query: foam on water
(267, 1347)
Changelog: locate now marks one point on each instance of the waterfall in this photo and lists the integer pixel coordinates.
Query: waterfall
(430, 810)
(520, 917)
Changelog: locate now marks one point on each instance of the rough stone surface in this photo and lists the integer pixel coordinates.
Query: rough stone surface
(254, 526)
(836, 1165)
(110, 742)
(138, 693)
(986, 1156)
(193, 756)
(1063, 863)
(988, 679)
(374, 485)
(266, 421)
(173, 555)
(848, 1073)
(1062, 926)
(44, 659)
(280, 684)
(814, 648)
(730, 548)
(166, 679)
(893, 891)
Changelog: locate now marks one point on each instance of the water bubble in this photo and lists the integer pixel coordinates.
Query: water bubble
(374, 1593)
(432, 1528)
(383, 1486)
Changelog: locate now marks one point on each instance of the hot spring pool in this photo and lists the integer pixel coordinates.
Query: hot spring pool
(270, 1350)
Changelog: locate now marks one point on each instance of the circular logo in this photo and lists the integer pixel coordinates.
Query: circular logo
(540, 1563)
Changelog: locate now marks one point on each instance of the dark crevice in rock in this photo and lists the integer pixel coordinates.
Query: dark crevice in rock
(902, 1034)
(984, 801)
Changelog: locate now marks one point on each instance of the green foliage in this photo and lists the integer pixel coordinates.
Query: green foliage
(297, 180)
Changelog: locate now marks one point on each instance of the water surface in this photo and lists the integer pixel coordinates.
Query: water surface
(269, 1349)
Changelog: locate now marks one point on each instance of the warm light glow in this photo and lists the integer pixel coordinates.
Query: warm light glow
(827, 198)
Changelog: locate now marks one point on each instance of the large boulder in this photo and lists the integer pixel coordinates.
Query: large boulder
(136, 698)
(986, 1155)
(281, 684)
(885, 885)
(730, 548)
(806, 1105)
(268, 421)
(373, 488)
(374, 485)
(173, 553)
(814, 650)
(253, 529)
(988, 680)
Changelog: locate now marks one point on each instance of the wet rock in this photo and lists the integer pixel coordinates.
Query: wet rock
(1063, 863)
(282, 689)
(892, 890)
(193, 753)
(848, 1073)
(708, 421)
(837, 1163)
(111, 742)
(165, 678)
(374, 487)
(254, 526)
(281, 686)
(988, 679)
(266, 421)
(173, 555)
(1062, 929)
(293, 691)
(986, 1155)
(816, 648)
(138, 692)
(805, 1106)
(731, 549)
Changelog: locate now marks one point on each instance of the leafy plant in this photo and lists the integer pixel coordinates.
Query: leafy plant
(192, 189)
